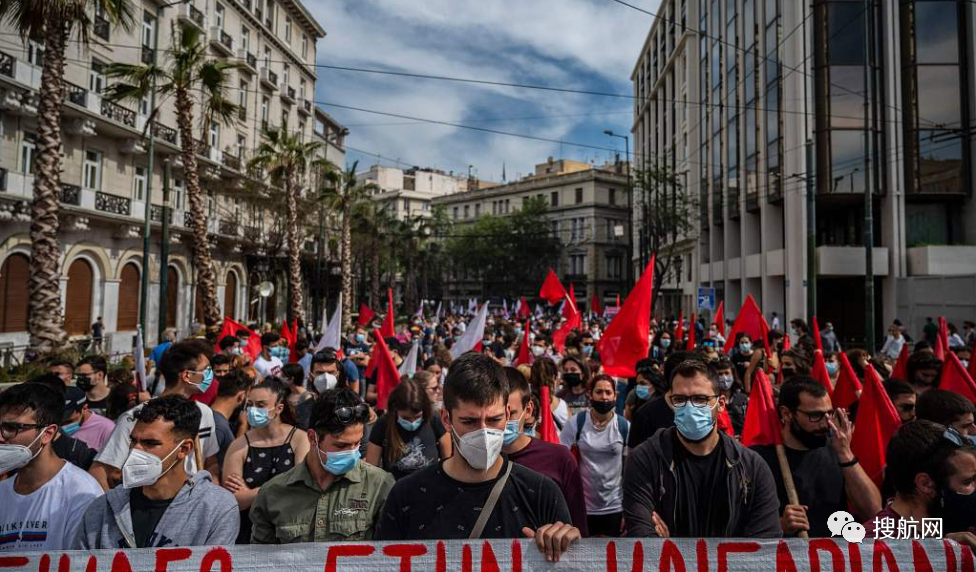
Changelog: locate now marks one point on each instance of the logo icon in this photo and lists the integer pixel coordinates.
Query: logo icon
(853, 532)
(837, 521)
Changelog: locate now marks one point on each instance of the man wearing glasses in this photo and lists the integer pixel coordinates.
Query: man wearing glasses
(826, 473)
(186, 368)
(694, 481)
(332, 496)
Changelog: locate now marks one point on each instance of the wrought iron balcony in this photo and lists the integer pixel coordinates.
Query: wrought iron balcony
(113, 204)
(288, 94)
(147, 55)
(7, 64)
(269, 78)
(222, 41)
(101, 28)
(228, 227)
(252, 233)
(70, 194)
(231, 161)
(201, 147)
(118, 113)
(156, 214)
(188, 219)
(167, 134)
(305, 106)
(196, 15)
(249, 61)
(76, 94)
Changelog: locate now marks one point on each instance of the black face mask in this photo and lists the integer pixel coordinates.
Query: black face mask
(84, 383)
(808, 439)
(958, 511)
(603, 407)
(572, 379)
(788, 372)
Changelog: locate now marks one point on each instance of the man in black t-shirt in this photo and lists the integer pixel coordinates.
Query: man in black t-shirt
(445, 500)
(828, 478)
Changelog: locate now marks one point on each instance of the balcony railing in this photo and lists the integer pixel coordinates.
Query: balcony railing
(201, 147)
(70, 194)
(167, 134)
(147, 55)
(226, 40)
(290, 93)
(228, 227)
(231, 161)
(101, 28)
(76, 94)
(252, 60)
(118, 113)
(265, 125)
(188, 219)
(252, 233)
(306, 106)
(113, 204)
(156, 214)
(6, 64)
(269, 78)
(196, 15)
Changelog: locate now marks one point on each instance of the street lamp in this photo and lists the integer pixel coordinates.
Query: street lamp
(630, 190)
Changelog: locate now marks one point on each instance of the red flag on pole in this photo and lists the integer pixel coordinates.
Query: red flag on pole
(524, 311)
(900, 371)
(387, 376)
(944, 334)
(679, 330)
(524, 355)
(618, 301)
(387, 328)
(293, 346)
(877, 421)
(547, 427)
(940, 347)
(820, 372)
(552, 289)
(762, 425)
(719, 319)
(366, 315)
(626, 340)
(692, 332)
(573, 322)
(595, 306)
(848, 387)
(288, 337)
(954, 377)
(816, 334)
(750, 321)
(231, 328)
(570, 309)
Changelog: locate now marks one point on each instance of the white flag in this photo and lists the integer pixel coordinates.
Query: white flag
(439, 311)
(332, 336)
(420, 311)
(409, 365)
(139, 357)
(505, 307)
(473, 335)
(538, 311)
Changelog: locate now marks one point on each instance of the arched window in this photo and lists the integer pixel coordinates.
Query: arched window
(14, 293)
(78, 304)
(129, 298)
(172, 295)
(230, 296)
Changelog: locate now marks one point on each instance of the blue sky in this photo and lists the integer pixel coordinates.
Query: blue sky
(579, 44)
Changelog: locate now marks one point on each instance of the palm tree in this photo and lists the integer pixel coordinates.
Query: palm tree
(190, 79)
(55, 22)
(286, 159)
(343, 194)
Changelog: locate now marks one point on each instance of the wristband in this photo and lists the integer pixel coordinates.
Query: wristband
(850, 463)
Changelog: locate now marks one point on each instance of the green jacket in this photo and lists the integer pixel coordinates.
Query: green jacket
(292, 508)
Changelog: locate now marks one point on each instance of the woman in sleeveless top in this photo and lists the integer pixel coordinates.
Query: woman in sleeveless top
(267, 449)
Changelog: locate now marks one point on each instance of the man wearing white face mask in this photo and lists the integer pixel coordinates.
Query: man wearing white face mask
(40, 506)
(159, 504)
(477, 493)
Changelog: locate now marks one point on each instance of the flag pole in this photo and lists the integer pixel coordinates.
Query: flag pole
(784, 469)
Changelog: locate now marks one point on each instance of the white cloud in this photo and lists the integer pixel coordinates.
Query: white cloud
(581, 44)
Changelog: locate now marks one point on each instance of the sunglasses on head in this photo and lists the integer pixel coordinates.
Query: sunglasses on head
(347, 415)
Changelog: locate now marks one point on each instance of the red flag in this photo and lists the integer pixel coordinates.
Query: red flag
(940, 347)
(524, 355)
(900, 371)
(816, 334)
(679, 330)
(289, 337)
(762, 425)
(848, 385)
(618, 301)
(954, 377)
(570, 309)
(595, 306)
(231, 328)
(725, 423)
(719, 319)
(972, 367)
(625, 341)
(366, 315)
(692, 331)
(944, 334)
(552, 289)
(547, 427)
(387, 376)
(750, 320)
(573, 322)
(820, 372)
(524, 310)
(293, 353)
(877, 421)
(387, 328)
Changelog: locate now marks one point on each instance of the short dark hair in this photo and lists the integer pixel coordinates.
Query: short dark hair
(61, 361)
(693, 368)
(46, 404)
(228, 342)
(673, 361)
(922, 360)
(181, 356)
(476, 379)
(584, 367)
(895, 387)
(789, 392)
(178, 410)
(517, 382)
(50, 381)
(294, 373)
(269, 338)
(233, 383)
(801, 359)
(942, 406)
(591, 385)
(918, 446)
(219, 359)
(323, 418)
(97, 363)
(325, 355)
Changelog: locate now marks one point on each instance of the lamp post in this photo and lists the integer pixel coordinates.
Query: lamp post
(630, 191)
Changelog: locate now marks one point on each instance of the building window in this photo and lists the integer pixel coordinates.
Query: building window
(406, 206)
(302, 86)
(220, 16)
(285, 76)
(96, 77)
(35, 52)
(466, 211)
(288, 31)
(265, 104)
(477, 210)
(579, 196)
(245, 38)
(455, 213)
(577, 264)
(304, 47)
(614, 268)
(267, 57)
(148, 29)
(139, 190)
(178, 194)
(301, 130)
(214, 135)
(27, 147)
(92, 172)
(612, 196)
(242, 97)
(554, 199)
(241, 145)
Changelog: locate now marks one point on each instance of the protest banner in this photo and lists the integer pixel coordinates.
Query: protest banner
(589, 555)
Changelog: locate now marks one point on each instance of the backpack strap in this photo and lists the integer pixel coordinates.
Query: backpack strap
(624, 427)
(580, 422)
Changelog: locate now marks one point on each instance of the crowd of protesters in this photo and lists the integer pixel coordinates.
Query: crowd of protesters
(218, 447)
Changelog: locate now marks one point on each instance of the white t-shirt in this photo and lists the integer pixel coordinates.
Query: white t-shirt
(268, 367)
(116, 449)
(601, 463)
(561, 414)
(48, 518)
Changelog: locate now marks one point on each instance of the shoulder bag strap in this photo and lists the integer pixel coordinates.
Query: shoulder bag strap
(496, 492)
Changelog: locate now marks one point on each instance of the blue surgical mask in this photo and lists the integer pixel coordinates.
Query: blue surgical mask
(832, 367)
(694, 423)
(280, 352)
(360, 338)
(529, 431)
(511, 432)
(410, 425)
(258, 416)
(643, 391)
(71, 428)
(339, 462)
(587, 350)
(745, 347)
(666, 343)
(208, 377)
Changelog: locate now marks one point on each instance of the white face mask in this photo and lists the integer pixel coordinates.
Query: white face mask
(325, 382)
(144, 469)
(480, 448)
(14, 457)
(537, 351)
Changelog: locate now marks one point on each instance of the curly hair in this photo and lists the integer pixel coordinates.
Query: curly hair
(178, 410)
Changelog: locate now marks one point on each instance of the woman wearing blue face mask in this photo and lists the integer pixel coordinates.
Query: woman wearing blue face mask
(642, 393)
(409, 437)
(270, 447)
(662, 346)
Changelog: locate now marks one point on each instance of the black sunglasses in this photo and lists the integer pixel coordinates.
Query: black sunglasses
(347, 415)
